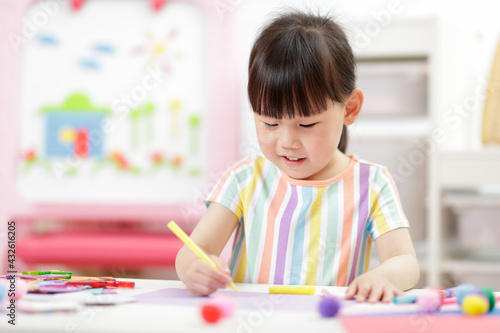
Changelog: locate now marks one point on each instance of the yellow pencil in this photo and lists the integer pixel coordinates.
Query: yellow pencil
(195, 248)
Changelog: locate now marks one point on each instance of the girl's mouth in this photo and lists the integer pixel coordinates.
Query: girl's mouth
(293, 161)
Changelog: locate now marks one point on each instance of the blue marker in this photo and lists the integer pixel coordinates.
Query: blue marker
(3, 291)
(405, 299)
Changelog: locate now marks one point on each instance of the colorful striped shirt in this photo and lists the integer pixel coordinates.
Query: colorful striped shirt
(301, 232)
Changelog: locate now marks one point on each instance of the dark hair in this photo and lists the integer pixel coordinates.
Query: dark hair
(298, 61)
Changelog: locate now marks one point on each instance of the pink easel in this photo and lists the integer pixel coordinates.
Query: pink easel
(223, 142)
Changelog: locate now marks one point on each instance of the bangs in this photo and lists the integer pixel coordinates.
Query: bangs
(293, 78)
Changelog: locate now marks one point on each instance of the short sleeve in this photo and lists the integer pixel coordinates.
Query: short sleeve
(386, 211)
(227, 190)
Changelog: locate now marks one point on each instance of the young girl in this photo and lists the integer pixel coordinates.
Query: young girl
(304, 213)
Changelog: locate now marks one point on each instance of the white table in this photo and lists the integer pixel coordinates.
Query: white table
(138, 317)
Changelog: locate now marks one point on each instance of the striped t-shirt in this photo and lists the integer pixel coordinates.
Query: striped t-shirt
(301, 232)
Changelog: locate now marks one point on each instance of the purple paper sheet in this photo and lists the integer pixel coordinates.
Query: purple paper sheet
(280, 302)
(106, 291)
(243, 300)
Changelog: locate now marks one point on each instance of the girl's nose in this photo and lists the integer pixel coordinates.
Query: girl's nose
(289, 139)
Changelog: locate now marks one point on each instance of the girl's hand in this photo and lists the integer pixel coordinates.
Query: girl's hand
(202, 279)
(372, 287)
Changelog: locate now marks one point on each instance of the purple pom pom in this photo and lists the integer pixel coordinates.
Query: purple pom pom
(329, 307)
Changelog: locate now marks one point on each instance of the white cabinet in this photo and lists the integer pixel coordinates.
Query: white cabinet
(393, 70)
(461, 170)
(417, 143)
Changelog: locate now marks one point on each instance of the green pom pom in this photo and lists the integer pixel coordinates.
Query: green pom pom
(491, 296)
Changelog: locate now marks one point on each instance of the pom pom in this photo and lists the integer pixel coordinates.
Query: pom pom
(463, 290)
(329, 306)
(211, 313)
(429, 301)
(225, 304)
(490, 296)
(475, 304)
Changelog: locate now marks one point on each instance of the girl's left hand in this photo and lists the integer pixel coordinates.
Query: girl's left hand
(372, 287)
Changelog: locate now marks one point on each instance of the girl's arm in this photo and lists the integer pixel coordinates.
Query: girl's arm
(398, 269)
(211, 234)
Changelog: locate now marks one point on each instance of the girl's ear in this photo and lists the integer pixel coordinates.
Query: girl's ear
(353, 107)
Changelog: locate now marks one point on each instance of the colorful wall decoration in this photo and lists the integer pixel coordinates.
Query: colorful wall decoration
(115, 112)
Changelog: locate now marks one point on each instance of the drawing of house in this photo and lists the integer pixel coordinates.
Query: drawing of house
(74, 128)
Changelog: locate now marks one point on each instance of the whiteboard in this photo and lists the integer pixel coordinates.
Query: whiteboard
(142, 75)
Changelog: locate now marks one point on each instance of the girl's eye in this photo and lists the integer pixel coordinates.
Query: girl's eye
(270, 125)
(308, 125)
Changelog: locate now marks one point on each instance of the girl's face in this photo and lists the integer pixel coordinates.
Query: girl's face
(303, 147)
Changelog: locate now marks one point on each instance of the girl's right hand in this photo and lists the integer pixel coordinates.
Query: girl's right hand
(202, 279)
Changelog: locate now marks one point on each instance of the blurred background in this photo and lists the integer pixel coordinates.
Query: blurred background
(118, 116)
